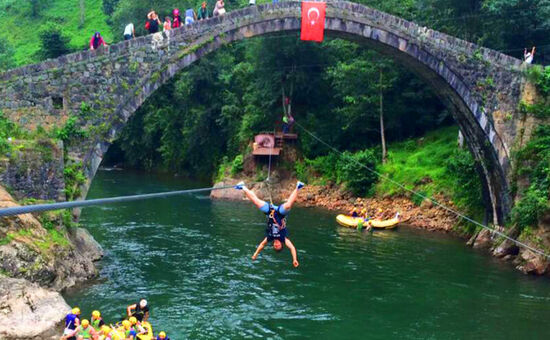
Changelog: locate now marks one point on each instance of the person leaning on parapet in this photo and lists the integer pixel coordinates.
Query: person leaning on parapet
(153, 22)
(96, 41)
(219, 8)
(203, 11)
(190, 16)
(528, 56)
(129, 32)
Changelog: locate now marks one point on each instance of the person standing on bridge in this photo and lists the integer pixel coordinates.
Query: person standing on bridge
(96, 41)
(203, 11)
(129, 32)
(167, 24)
(528, 56)
(190, 16)
(276, 221)
(153, 22)
(176, 22)
(219, 8)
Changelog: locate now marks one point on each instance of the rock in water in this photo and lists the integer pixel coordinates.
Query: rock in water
(28, 311)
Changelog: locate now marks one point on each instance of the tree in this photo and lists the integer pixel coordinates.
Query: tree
(6, 56)
(53, 43)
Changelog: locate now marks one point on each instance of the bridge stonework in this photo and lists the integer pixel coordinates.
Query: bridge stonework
(103, 88)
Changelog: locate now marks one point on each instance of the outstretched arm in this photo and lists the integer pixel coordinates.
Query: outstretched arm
(533, 51)
(259, 249)
(292, 198)
(251, 195)
(293, 252)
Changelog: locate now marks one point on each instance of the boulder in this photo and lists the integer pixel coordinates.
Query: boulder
(29, 311)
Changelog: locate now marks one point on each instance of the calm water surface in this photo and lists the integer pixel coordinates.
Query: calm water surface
(190, 257)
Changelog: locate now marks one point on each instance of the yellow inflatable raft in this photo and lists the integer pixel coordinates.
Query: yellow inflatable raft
(351, 222)
(149, 329)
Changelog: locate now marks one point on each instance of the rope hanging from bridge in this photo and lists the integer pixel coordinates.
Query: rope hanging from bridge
(466, 218)
(100, 201)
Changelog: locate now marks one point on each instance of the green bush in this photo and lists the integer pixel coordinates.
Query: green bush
(534, 163)
(53, 42)
(70, 131)
(467, 191)
(237, 165)
(351, 171)
(541, 77)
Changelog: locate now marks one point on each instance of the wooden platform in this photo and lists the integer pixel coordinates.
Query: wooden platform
(266, 151)
(290, 136)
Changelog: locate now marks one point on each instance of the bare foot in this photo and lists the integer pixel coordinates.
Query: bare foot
(295, 263)
(254, 257)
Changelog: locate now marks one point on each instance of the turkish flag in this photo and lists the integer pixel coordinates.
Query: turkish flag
(313, 21)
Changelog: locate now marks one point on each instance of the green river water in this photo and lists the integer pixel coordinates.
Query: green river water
(190, 257)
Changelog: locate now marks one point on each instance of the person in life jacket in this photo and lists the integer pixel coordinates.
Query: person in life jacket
(97, 41)
(96, 320)
(129, 332)
(140, 310)
(83, 332)
(176, 21)
(276, 230)
(72, 321)
(162, 336)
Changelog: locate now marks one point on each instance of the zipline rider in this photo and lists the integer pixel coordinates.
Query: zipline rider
(276, 230)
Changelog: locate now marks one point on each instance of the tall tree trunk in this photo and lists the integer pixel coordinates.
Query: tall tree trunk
(382, 134)
(82, 7)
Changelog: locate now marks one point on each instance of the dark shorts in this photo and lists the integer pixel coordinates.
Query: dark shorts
(281, 237)
(127, 37)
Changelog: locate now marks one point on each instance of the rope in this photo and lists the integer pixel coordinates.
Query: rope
(268, 179)
(100, 201)
(519, 243)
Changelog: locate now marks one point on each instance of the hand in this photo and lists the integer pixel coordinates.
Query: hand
(240, 186)
(255, 256)
(295, 263)
(299, 185)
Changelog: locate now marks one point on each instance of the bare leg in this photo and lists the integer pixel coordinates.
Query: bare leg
(291, 199)
(290, 246)
(259, 249)
(252, 196)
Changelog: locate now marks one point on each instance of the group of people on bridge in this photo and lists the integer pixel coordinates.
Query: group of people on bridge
(135, 326)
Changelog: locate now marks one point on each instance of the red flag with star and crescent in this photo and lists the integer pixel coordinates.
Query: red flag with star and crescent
(313, 21)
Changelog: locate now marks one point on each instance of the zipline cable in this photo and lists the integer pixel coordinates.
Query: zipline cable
(519, 243)
(100, 201)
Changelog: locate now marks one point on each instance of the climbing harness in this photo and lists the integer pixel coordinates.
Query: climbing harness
(466, 218)
(100, 201)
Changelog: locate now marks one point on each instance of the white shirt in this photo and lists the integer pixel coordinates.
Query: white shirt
(129, 30)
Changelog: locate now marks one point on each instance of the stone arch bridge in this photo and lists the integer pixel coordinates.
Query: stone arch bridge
(103, 88)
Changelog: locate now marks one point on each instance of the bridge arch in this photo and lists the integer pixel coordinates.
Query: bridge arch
(476, 83)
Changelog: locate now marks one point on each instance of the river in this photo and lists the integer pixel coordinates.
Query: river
(190, 257)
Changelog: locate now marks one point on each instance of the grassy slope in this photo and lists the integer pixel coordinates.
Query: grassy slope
(421, 165)
(21, 31)
(410, 162)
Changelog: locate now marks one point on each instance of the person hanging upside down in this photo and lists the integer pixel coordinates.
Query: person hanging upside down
(276, 230)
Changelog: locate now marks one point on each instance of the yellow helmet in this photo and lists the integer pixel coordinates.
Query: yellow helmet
(76, 311)
(133, 320)
(96, 314)
(85, 323)
(105, 329)
(162, 335)
(126, 324)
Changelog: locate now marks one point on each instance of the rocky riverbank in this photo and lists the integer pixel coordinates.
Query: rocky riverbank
(424, 216)
(41, 256)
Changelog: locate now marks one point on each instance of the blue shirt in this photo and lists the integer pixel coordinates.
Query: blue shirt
(70, 321)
